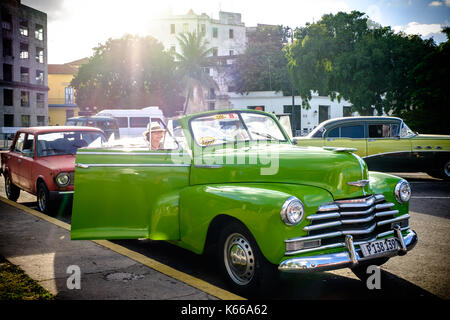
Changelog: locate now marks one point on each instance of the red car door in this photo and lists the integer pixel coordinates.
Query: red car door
(14, 158)
(26, 163)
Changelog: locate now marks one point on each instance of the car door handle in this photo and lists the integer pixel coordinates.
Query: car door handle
(330, 139)
(370, 140)
(19, 160)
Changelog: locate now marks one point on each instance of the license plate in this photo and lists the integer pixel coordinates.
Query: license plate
(379, 247)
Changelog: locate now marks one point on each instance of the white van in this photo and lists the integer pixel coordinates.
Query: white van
(133, 122)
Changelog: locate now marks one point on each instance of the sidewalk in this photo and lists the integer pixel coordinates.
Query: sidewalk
(41, 246)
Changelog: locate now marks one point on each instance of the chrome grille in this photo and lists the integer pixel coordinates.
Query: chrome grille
(365, 219)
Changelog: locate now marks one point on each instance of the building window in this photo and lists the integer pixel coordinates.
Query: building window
(7, 72)
(25, 120)
(24, 75)
(231, 52)
(172, 49)
(172, 28)
(8, 97)
(24, 99)
(211, 105)
(231, 33)
(215, 32)
(39, 77)
(68, 95)
(6, 20)
(324, 113)
(347, 111)
(40, 100)
(203, 29)
(23, 27)
(24, 51)
(8, 120)
(39, 55)
(215, 52)
(185, 27)
(7, 47)
(39, 32)
(69, 113)
(40, 120)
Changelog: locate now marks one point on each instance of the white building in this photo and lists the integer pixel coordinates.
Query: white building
(227, 35)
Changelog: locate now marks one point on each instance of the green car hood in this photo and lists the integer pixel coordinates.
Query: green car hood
(282, 163)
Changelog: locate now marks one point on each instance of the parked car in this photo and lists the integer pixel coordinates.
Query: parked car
(386, 144)
(109, 125)
(236, 186)
(133, 122)
(41, 161)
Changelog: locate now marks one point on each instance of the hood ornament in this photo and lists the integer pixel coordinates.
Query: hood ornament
(359, 183)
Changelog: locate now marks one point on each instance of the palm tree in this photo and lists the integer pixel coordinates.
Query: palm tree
(191, 63)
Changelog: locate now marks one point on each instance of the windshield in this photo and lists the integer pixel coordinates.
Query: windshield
(234, 127)
(59, 143)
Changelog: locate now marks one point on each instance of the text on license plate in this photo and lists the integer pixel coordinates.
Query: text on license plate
(379, 247)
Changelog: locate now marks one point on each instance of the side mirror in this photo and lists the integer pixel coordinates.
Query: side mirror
(28, 153)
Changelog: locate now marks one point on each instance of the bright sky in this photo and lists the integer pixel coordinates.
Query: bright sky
(77, 26)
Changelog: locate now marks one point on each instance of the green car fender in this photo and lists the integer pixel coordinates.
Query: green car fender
(383, 183)
(255, 205)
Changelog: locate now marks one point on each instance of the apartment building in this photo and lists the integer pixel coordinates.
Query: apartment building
(23, 67)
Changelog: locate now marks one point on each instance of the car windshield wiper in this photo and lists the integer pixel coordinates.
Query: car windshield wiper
(265, 135)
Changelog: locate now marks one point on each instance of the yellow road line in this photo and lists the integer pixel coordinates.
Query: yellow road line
(169, 271)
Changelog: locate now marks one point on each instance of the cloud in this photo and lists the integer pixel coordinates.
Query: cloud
(423, 30)
(435, 4)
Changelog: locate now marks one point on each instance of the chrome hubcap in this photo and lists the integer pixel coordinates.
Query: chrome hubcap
(447, 169)
(42, 201)
(239, 259)
(7, 186)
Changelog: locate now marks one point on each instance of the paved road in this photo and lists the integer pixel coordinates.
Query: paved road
(424, 273)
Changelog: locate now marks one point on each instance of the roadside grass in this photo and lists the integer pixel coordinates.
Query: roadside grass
(16, 285)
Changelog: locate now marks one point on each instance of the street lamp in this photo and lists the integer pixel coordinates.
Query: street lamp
(291, 34)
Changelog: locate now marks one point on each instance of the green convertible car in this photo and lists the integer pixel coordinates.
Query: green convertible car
(233, 184)
(386, 144)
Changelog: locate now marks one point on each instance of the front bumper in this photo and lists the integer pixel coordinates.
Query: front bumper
(349, 258)
(57, 195)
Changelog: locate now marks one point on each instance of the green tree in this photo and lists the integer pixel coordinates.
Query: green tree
(345, 56)
(130, 72)
(191, 63)
(430, 92)
(263, 66)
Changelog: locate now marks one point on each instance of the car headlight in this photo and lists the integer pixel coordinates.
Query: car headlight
(402, 191)
(63, 179)
(292, 211)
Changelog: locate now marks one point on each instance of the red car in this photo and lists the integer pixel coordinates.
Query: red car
(41, 161)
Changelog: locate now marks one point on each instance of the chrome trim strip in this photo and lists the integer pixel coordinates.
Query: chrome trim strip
(65, 192)
(327, 207)
(383, 206)
(210, 166)
(351, 249)
(404, 151)
(322, 226)
(132, 153)
(386, 213)
(355, 213)
(359, 183)
(401, 218)
(323, 216)
(117, 165)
